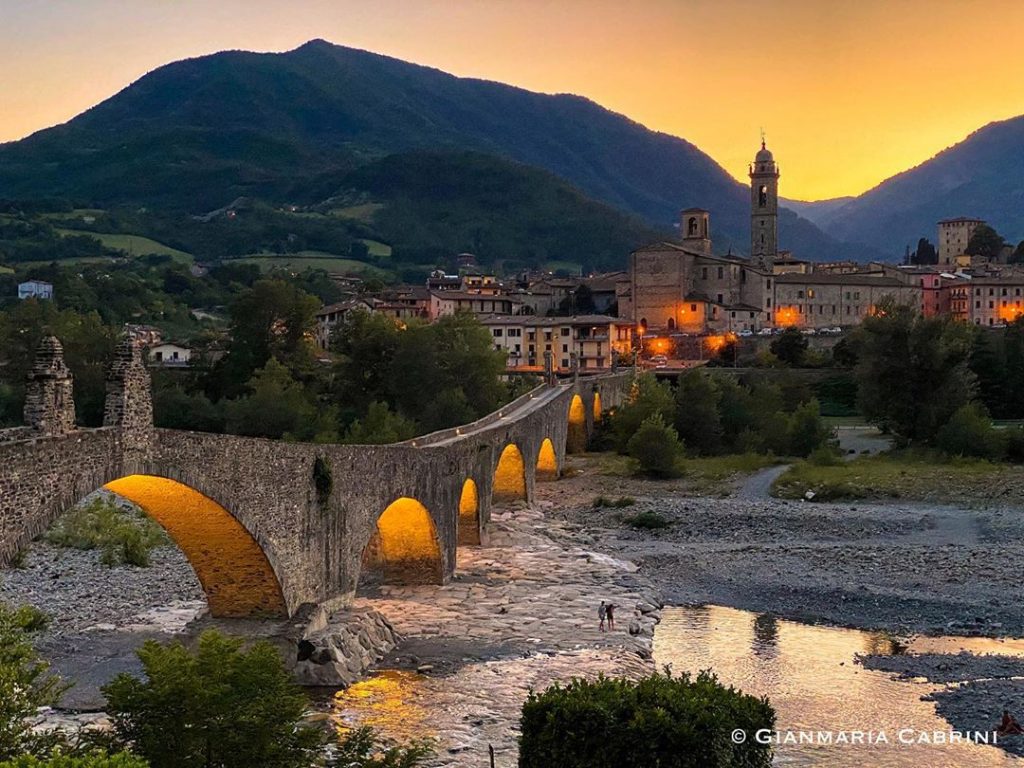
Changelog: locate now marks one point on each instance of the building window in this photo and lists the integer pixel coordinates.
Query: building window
(565, 331)
(497, 332)
(810, 293)
(703, 273)
(720, 274)
(565, 348)
(769, 283)
(671, 324)
(693, 307)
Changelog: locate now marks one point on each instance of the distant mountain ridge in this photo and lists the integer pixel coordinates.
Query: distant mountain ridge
(198, 133)
(981, 176)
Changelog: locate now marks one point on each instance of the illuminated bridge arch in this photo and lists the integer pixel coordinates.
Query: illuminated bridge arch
(469, 514)
(236, 576)
(510, 475)
(547, 461)
(405, 548)
(597, 406)
(576, 438)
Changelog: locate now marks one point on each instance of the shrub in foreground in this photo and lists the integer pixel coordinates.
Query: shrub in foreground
(25, 685)
(969, 432)
(221, 706)
(648, 521)
(661, 720)
(364, 748)
(96, 760)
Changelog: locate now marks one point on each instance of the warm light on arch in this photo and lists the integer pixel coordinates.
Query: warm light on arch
(547, 461)
(597, 407)
(510, 475)
(469, 514)
(405, 548)
(576, 438)
(231, 566)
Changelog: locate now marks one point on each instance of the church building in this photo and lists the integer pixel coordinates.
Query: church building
(683, 287)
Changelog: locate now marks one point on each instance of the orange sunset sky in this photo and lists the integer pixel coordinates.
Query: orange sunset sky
(848, 92)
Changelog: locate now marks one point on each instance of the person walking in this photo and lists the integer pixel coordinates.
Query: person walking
(602, 613)
(610, 613)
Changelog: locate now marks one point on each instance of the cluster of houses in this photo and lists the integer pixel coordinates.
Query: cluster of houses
(673, 291)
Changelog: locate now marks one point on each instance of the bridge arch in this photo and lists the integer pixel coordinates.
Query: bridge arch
(510, 475)
(576, 438)
(469, 514)
(405, 548)
(232, 567)
(597, 411)
(547, 461)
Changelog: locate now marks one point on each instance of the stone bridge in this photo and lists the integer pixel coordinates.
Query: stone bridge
(272, 526)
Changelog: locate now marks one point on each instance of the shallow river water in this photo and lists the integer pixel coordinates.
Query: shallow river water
(809, 673)
(810, 676)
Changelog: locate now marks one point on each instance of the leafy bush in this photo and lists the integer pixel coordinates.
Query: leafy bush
(824, 456)
(25, 685)
(969, 432)
(656, 448)
(622, 501)
(649, 521)
(123, 535)
(218, 706)
(94, 760)
(363, 748)
(661, 720)
(649, 397)
(1015, 445)
(807, 432)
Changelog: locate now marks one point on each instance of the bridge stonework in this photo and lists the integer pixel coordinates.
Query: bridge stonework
(312, 509)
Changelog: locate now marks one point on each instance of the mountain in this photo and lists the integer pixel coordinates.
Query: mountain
(818, 212)
(196, 134)
(982, 176)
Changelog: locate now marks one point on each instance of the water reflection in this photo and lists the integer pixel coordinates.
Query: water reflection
(809, 675)
(388, 702)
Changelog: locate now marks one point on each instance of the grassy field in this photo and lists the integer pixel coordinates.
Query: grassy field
(6, 270)
(378, 248)
(896, 476)
(703, 474)
(303, 260)
(135, 245)
(364, 212)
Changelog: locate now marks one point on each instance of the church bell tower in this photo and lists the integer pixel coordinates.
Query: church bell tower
(764, 209)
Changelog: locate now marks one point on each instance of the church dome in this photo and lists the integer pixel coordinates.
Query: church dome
(764, 155)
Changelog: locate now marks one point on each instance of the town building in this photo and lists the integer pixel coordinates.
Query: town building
(35, 289)
(591, 342)
(170, 355)
(954, 235)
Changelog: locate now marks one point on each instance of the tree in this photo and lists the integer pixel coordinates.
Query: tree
(272, 319)
(661, 720)
(925, 253)
(969, 432)
(913, 371)
(276, 406)
(790, 347)
(647, 398)
(1018, 254)
(806, 429)
(381, 425)
(25, 685)
(696, 414)
(985, 242)
(580, 301)
(219, 707)
(363, 748)
(656, 447)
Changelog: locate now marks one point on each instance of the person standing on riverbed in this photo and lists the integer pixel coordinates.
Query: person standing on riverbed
(602, 612)
(610, 611)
